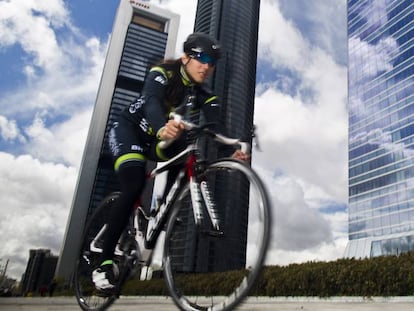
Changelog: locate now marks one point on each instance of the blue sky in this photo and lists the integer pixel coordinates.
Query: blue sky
(52, 54)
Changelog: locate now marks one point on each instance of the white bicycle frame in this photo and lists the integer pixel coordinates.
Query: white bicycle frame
(152, 258)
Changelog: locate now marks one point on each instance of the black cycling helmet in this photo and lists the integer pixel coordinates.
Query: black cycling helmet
(198, 42)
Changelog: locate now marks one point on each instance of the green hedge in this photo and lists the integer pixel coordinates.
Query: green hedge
(380, 276)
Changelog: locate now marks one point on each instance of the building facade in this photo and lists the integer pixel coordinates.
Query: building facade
(142, 35)
(381, 127)
(235, 24)
(39, 272)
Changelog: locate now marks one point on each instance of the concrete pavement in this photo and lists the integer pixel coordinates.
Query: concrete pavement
(252, 304)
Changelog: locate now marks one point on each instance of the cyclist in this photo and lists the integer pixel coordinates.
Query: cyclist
(141, 126)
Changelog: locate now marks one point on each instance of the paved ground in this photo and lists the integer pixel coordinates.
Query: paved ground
(252, 304)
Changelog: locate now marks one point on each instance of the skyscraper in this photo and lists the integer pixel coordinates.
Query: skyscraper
(39, 271)
(381, 127)
(142, 35)
(235, 24)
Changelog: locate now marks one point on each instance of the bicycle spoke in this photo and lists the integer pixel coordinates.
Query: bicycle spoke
(206, 267)
(89, 298)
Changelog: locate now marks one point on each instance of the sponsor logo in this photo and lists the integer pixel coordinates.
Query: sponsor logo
(136, 105)
(114, 145)
(160, 79)
(137, 148)
(144, 125)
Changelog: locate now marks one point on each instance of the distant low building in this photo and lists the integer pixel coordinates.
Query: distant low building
(39, 272)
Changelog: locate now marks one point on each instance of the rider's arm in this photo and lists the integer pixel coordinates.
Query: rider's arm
(154, 109)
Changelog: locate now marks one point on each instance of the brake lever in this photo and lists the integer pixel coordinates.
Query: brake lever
(255, 138)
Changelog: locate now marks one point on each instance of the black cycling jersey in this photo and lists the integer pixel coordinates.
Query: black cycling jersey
(153, 106)
(134, 135)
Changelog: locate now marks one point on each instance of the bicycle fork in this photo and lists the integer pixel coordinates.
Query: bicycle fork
(200, 193)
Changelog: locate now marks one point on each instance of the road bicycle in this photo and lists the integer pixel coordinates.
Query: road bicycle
(193, 232)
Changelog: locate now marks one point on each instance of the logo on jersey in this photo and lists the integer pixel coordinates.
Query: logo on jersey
(145, 126)
(137, 148)
(114, 145)
(160, 79)
(136, 105)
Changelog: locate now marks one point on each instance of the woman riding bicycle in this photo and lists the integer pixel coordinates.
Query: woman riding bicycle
(141, 126)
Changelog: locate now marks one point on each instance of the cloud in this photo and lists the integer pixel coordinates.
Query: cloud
(327, 33)
(44, 123)
(64, 141)
(61, 66)
(30, 24)
(36, 197)
(303, 135)
(9, 130)
(297, 132)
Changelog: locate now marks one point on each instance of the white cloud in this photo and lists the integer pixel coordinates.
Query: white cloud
(63, 141)
(28, 23)
(36, 197)
(61, 65)
(283, 46)
(9, 130)
(303, 137)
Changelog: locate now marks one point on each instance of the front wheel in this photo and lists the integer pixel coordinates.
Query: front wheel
(210, 268)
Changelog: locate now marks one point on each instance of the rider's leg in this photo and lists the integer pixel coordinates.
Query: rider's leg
(132, 181)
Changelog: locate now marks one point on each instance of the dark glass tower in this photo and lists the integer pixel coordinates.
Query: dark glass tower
(39, 272)
(235, 24)
(381, 127)
(142, 35)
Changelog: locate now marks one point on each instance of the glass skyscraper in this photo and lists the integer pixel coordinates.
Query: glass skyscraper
(381, 127)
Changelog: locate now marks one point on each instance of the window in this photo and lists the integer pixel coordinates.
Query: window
(148, 22)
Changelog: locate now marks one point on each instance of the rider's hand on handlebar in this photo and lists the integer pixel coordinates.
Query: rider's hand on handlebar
(240, 155)
(171, 130)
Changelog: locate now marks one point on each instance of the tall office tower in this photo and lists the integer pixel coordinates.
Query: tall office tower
(39, 272)
(235, 24)
(142, 35)
(381, 127)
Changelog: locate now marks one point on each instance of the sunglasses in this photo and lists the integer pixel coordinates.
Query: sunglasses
(204, 58)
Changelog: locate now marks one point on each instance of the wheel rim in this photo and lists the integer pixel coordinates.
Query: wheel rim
(88, 297)
(226, 294)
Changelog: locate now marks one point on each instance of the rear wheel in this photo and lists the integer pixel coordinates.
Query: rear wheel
(88, 297)
(210, 269)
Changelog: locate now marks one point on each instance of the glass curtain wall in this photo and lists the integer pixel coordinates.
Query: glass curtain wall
(381, 127)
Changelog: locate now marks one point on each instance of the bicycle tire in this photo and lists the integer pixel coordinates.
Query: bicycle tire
(182, 272)
(88, 297)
